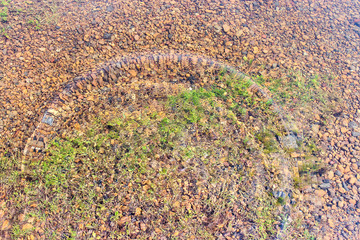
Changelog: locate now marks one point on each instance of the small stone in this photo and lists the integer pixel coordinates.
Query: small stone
(352, 139)
(341, 169)
(352, 201)
(345, 186)
(27, 226)
(344, 129)
(331, 192)
(338, 173)
(353, 124)
(278, 194)
(143, 227)
(5, 225)
(226, 28)
(239, 33)
(315, 128)
(330, 174)
(124, 220)
(290, 142)
(110, 8)
(352, 180)
(341, 204)
(355, 134)
(138, 212)
(357, 22)
(342, 190)
(133, 73)
(325, 185)
(331, 223)
(320, 192)
(107, 35)
(295, 155)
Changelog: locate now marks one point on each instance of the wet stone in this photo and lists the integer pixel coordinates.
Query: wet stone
(289, 142)
(279, 194)
(107, 35)
(325, 185)
(110, 8)
(353, 124)
(47, 120)
(355, 134)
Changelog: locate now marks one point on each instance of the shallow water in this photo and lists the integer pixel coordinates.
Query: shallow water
(312, 46)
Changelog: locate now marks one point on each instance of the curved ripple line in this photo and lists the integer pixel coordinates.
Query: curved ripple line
(123, 68)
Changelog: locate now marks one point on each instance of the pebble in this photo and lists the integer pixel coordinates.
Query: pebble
(226, 28)
(355, 134)
(345, 186)
(107, 35)
(325, 185)
(341, 204)
(338, 173)
(320, 192)
(353, 124)
(110, 8)
(290, 142)
(352, 180)
(352, 201)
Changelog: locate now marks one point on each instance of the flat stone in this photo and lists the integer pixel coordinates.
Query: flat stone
(315, 128)
(353, 124)
(226, 28)
(355, 134)
(107, 35)
(352, 201)
(352, 180)
(290, 142)
(110, 8)
(48, 120)
(345, 186)
(133, 73)
(325, 185)
(320, 192)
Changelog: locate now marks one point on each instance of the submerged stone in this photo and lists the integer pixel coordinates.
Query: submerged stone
(48, 120)
(289, 141)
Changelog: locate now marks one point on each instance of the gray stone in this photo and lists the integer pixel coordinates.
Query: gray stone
(355, 134)
(107, 35)
(48, 120)
(325, 185)
(110, 8)
(289, 141)
(338, 173)
(345, 186)
(353, 124)
(278, 194)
